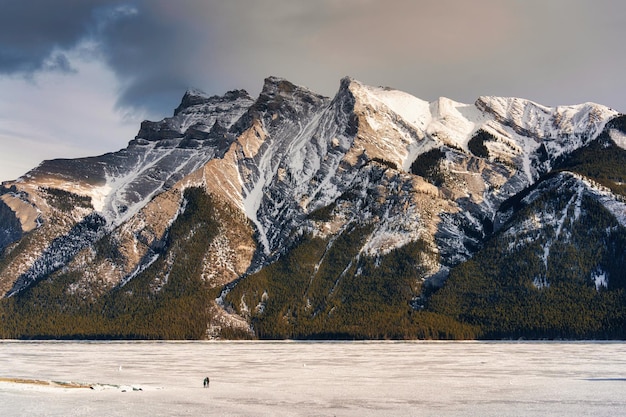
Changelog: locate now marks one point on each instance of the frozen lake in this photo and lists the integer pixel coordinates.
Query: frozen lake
(313, 379)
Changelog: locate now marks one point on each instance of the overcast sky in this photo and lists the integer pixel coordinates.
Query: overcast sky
(78, 76)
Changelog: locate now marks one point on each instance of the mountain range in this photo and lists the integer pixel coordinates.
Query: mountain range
(372, 214)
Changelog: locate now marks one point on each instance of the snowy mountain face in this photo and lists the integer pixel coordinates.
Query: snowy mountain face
(293, 167)
(163, 153)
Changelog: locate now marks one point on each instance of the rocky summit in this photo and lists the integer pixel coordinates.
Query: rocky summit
(372, 214)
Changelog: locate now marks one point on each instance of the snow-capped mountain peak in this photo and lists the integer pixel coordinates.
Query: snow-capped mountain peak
(529, 118)
(371, 170)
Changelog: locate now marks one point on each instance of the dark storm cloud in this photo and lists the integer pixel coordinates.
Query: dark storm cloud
(31, 30)
(147, 51)
(34, 34)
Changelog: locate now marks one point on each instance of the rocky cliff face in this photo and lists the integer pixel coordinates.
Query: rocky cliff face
(291, 168)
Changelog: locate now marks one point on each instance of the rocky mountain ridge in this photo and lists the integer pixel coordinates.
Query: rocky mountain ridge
(293, 169)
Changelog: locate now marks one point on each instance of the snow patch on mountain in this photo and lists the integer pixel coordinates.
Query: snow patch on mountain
(411, 109)
(532, 119)
(560, 218)
(600, 279)
(613, 203)
(251, 203)
(454, 123)
(99, 195)
(618, 137)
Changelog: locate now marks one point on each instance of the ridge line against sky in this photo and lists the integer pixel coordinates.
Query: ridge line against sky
(78, 76)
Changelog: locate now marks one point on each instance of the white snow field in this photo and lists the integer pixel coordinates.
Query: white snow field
(312, 379)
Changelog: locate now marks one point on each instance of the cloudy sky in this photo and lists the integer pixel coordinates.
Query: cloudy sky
(78, 76)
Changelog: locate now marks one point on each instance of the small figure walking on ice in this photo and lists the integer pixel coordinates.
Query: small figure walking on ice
(206, 382)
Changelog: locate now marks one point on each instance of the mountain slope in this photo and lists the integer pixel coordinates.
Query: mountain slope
(298, 215)
(554, 271)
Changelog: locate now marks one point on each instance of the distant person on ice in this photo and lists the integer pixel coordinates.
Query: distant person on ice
(206, 382)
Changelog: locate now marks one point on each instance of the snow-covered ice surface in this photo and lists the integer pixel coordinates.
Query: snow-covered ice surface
(314, 379)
